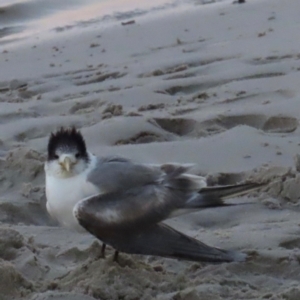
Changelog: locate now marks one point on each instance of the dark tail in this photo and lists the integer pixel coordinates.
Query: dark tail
(215, 195)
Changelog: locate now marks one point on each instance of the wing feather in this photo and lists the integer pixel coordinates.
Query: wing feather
(158, 239)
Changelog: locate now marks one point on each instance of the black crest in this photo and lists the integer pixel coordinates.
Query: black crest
(66, 140)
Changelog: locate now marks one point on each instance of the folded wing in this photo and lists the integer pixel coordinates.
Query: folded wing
(130, 222)
(137, 198)
(158, 240)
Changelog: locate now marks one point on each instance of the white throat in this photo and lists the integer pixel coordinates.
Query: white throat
(63, 193)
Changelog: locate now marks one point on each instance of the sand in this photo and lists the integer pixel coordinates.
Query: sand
(216, 85)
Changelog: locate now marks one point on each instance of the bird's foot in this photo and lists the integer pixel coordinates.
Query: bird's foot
(102, 255)
(116, 256)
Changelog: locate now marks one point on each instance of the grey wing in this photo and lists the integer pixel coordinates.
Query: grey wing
(168, 189)
(135, 195)
(129, 219)
(130, 234)
(162, 240)
(134, 208)
(117, 173)
(162, 188)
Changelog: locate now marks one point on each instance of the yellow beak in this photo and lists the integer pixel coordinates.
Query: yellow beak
(67, 164)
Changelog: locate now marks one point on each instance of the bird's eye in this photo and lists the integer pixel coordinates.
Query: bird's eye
(77, 155)
(55, 156)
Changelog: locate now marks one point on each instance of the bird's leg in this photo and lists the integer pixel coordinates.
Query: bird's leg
(103, 250)
(116, 256)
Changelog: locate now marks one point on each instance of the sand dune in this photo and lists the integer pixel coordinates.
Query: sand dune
(215, 85)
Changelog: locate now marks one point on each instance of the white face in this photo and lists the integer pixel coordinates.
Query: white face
(65, 165)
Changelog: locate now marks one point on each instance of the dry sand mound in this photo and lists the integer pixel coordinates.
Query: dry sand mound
(215, 85)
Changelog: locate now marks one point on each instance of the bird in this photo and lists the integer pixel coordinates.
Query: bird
(124, 203)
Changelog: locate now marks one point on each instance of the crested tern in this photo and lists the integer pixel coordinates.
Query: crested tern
(124, 203)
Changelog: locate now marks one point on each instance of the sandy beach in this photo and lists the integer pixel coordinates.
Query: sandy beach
(217, 85)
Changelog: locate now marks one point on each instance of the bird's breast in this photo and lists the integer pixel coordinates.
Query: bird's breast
(63, 194)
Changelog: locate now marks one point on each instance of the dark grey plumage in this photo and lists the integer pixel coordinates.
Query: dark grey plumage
(137, 198)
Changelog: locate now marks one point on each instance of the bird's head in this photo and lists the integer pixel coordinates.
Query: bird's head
(67, 154)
